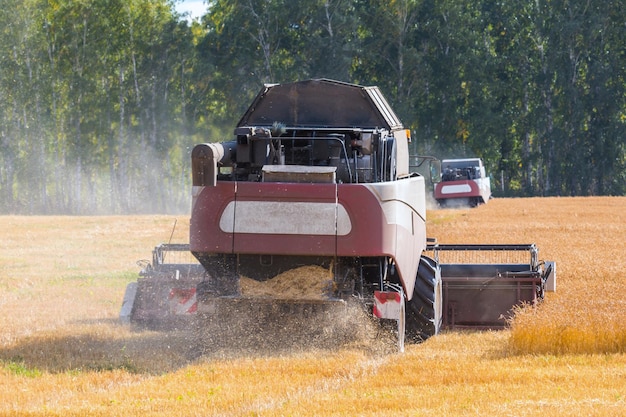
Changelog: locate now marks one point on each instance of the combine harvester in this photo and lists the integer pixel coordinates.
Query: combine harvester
(316, 179)
(464, 183)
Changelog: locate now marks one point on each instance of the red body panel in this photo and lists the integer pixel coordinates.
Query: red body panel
(366, 236)
(456, 189)
(351, 220)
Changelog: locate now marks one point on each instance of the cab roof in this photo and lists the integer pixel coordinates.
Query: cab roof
(321, 103)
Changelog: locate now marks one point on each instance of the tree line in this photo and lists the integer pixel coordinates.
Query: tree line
(101, 101)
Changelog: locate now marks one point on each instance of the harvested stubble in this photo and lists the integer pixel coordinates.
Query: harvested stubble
(63, 279)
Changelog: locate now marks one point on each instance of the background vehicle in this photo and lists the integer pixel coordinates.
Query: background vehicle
(464, 182)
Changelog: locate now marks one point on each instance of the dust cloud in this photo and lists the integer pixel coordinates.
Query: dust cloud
(290, 313)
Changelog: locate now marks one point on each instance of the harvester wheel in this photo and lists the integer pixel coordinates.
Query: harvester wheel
(424, 311)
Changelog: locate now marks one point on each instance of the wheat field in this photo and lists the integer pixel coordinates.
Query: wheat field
(63, 351)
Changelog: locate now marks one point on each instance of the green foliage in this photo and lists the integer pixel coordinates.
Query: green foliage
(19, 368)
(102, 100)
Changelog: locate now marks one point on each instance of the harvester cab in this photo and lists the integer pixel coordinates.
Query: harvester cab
(309, 218)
